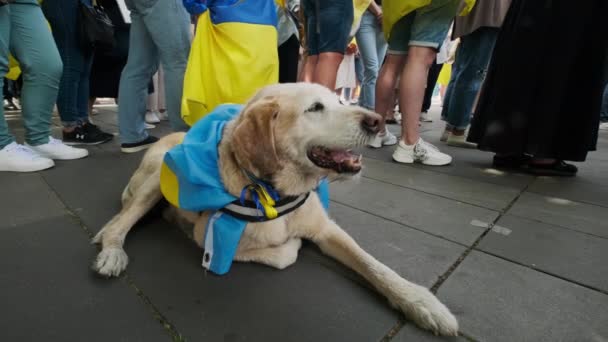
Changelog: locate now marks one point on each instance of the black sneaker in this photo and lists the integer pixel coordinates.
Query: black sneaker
(139, 146)
(94, 130)
(87, 134)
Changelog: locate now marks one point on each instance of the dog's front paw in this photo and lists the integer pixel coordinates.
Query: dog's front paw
(111, 262)
(422, 307)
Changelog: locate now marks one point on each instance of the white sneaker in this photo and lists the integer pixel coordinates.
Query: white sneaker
(163, 116)
(56, 149)
(459, 141)
(152, 117)
(149, 126)
(604, 126)
(444, 135)
(424, 117)
(18, 158)
(421, 152)
(386, 139)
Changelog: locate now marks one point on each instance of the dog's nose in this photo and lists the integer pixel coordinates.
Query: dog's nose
(371, 123)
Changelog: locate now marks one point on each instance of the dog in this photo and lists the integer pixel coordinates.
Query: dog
(293, 135)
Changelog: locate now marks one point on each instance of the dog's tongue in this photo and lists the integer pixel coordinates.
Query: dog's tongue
(339, 156)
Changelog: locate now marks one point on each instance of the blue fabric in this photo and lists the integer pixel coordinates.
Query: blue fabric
(604, 110)
(195, 164)
(468, 72)
(261, 12)
(372, 47)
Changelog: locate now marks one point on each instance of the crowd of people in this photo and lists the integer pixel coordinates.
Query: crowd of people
(522, 79)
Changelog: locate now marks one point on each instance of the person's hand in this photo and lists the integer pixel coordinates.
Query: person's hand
(351, 49)
(379, 16)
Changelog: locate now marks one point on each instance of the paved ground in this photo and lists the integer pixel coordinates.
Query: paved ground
(517, 258)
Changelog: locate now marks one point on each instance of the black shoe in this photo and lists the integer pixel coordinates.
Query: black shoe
(558, 168)
(510, 161)
(94, 129)
(139, 146)
(87, 134)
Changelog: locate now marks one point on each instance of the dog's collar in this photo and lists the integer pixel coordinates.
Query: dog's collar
(250, 211)
(265, 203)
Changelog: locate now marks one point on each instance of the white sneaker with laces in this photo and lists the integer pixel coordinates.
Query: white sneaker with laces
(152, 117)
(163, 116)
(19, 158)
(421, 152)
(57, 150)
(386, 139)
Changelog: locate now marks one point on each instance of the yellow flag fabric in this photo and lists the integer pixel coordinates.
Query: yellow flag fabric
(13, 69)
(360, 8)
(228, 63)
(393, 10)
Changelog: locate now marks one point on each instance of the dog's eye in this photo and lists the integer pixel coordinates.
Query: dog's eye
(316, 107)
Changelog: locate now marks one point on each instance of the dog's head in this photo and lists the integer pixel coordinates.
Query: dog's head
(296, 134)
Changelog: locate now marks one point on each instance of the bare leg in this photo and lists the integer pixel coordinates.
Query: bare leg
(385, 86)
(308, 70)
(326, 69)
(412, 87)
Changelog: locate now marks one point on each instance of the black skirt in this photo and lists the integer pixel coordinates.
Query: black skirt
(542, 94)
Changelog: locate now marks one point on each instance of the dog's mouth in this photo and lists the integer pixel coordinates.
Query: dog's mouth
(337, 159)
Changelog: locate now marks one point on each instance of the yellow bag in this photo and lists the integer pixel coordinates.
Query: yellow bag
(393, 10)
(234, 53)
(13, 68)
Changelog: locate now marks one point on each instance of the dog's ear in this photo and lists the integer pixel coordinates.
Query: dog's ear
(253, 139)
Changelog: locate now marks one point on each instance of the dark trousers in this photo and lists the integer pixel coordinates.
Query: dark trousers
(73, 96)
(431, 80)
(288, 60)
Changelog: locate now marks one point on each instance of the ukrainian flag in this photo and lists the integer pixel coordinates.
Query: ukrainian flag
(234, 53)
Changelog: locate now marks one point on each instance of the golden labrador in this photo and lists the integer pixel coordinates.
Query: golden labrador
(293, 135)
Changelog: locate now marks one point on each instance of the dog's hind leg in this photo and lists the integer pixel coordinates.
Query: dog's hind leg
(112, 259)
(279, 257)
(416, 302)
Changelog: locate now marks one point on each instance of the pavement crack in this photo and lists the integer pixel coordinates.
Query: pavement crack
(168, 326)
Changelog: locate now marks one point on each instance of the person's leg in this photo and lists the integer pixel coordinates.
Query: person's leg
(168, 24)
(385, 85)
(333, 24)
(412, 87)
(5, 25)
(431, 81)
(368, 48)
(63, 17)
(32, 44)
(142, 63)
(162, 106)
(469, 71)
(288, 60)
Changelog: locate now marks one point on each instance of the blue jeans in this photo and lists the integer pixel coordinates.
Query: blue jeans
(24, 32)
(468, 72)
(604, 110)
(160, 32)
(372, 47)
(73, 96)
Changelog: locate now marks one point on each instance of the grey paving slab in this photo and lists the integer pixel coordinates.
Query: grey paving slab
(563, 212)
(411, 333)
(26, 198)
(589, 186)
(496, 300)
(466, 190)
(91, 187)
(308, 301)
(49, 294)
(416, 256)
(576, 256)
(443, 217)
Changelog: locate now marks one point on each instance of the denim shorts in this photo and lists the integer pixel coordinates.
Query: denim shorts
(427, 26)
(328, 25)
